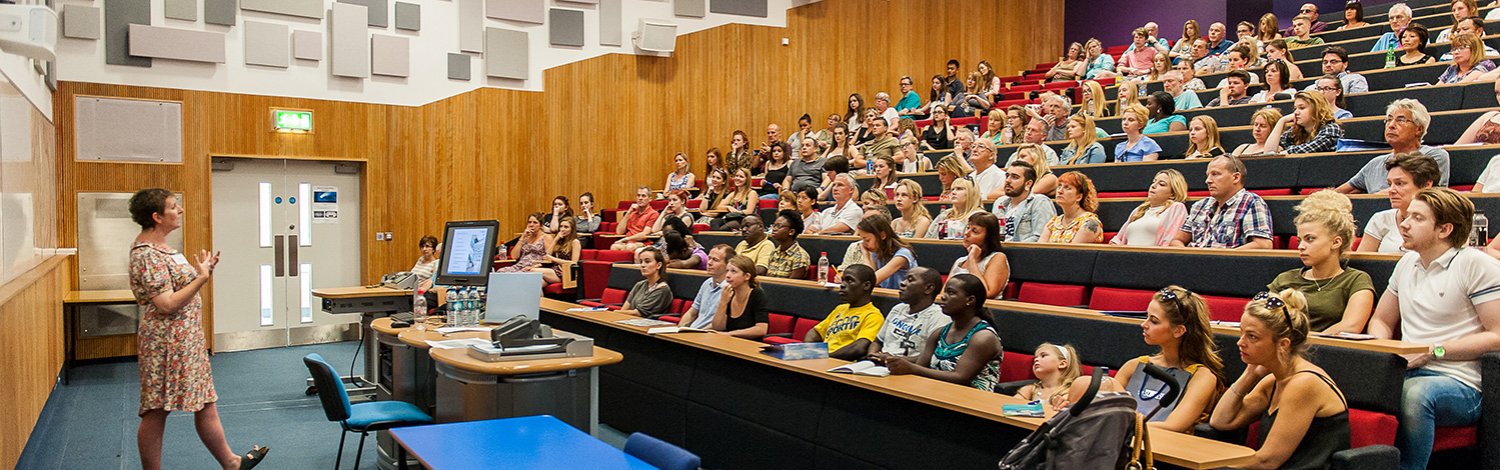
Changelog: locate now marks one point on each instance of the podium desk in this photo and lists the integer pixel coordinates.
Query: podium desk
(470, 389)
(370, 303)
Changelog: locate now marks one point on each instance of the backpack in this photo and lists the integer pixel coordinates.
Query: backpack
(1100, 431)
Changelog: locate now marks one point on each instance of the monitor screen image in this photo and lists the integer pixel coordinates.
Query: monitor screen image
(468, 247)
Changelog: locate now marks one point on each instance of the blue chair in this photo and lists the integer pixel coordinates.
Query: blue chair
(660, 454)
(362, 418)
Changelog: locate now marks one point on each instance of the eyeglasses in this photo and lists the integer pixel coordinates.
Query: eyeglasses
(1398, 120)
(1328, 88)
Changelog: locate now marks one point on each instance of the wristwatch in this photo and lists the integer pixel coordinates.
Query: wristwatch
(1438, 351)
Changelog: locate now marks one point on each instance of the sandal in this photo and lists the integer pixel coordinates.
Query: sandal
(253, 458)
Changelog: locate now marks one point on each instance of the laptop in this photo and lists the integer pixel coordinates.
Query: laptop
(512, 295)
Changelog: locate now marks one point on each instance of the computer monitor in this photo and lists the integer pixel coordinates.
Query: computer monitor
(512, 295)
(468, 251)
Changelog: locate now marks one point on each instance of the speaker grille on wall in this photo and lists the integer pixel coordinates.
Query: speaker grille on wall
(655, 36)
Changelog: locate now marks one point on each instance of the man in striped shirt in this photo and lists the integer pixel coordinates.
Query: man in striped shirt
(1231, 217)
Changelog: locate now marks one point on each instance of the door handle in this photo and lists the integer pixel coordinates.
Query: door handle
(292, 251)
(279, 247)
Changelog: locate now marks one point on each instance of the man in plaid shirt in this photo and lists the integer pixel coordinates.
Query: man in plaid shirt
(1231, 217)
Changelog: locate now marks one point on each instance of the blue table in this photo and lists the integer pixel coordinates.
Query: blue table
(531, 442)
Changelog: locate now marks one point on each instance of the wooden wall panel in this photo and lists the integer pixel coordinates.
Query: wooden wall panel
(31, 305)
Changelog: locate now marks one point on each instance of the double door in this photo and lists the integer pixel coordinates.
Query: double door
(285, 227)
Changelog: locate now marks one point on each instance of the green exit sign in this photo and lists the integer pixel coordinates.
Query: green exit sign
(286, 120)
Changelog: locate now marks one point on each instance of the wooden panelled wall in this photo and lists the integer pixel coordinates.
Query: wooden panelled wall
(604, 125)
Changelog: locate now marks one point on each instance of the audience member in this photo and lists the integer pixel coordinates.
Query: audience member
(1269, 29)
(1399, 17)
(778, 167)
(1302, 33)
(825, 136)
(910, 322)
(1055, 112)
(1036, 133)
(1217, 42)
(1414, 47)
(1203, 138)
(1183, 49)
(914, 218)
(682, 252)
(1136, 147)
(1206, 61)
(1083, 143)
(840, 143)
(909, 160)
(937, 96)
(1303, 418)
(1443, 384)
(806, 171)
(804, 131)
(982, 240)
(742, 304)
(844, 214)
(1485, 130)
(1232, 92)
(1339, 299)
(1046, 180)
(963, 141)
(854, 115)
(1096, 62)
(1025, 213)
(812, 219)
(706, 301)
(651, 296)
(588, 220)
(1406, 123)
(1241, 58)
(1244, 32)
(1126, 95)
(1469, 62)
(910, 103)
(560, 211)
(1067, 66)
(950, 169)
(874, 202)
(954, 85)
(864, 134)
(949, 223)
(1077, 223)
(1260, 130)
(988, 178)
(852, 326)
(1474, 26)
(1333, 93)
(1310, 128)
(939, 134)
(1230, 217)
(885, 174)
(975, 99)
(1354, 15)
(739, 153)
(1406, 173)
(1155, 221)
(788, 259)
(1182, 99)
(636, 222)
(530, 250)
(884, 110)
(1092, 104)
(755, 245)
(713, 193)
(1189, 81)
(1461, 10)
(1161, 108)
(1153, 39)
(1278, 84)
(966, 351)
(1277, 50)
(1055, 367)
(739, 201)
(1177, 322)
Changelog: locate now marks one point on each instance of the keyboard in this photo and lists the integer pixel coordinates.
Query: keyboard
(403, 316)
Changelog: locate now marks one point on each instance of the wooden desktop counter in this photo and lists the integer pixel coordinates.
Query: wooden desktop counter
(739, 408)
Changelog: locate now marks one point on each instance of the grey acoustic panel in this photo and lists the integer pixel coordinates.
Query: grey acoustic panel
(348, 39)
(174, 43)
(408, 16)
(526, 11)
(307, 45)
(471, 25)
(690, 8)
(268, 44)
(756, 8)
(118, 16)
(302, 8)
(391, 55)
(585, 2)
(565, 27)
(459, 67)
(181, 9)
(379, 11)
(611, 31)
(80, 22)
(506, 53)
(220, 12)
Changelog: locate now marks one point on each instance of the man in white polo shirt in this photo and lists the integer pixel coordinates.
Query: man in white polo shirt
(988, 178)
(1442, 295)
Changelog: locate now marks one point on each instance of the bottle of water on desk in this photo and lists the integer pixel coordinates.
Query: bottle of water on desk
(419, 310)
(1480, 236)
(823, 268)
(452, 306)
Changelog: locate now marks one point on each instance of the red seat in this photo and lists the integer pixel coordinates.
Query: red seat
(1203, 193)
(1225, 308)
(1052, 294)
(767, 204)
(1463, 188)
(1370, 428)
(779, 323)
(694, 203)
(1028, 87)
(1273, 192)
(1012, 289)
(699, 228)
(1452, 437)
(1115, 298)
(801, 327)
(1105, 82)
(614, 255)
(1016, 366)
(1008, 102)
(1059, 85)
(611, 297)
(659, 204)
(964, 121)
(556, 289)
(670, 318)
(1121, 194)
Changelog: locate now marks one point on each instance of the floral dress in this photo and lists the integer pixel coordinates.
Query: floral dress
(532, 255)
(175, 372)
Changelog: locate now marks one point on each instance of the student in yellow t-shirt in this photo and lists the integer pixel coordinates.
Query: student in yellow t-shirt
(854, 324)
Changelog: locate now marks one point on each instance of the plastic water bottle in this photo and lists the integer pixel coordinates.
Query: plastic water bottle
(870, 166)
(1390, 57)
(823, 268)
(453, 306)
(1480, 236)
(419, 310)
(469, 303)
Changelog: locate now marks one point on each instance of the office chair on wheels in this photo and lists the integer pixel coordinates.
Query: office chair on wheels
(362, 418)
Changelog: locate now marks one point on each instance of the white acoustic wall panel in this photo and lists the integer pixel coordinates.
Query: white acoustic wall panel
(349, 40)
(307, 45)
(506, 53)
(173, 43)
(611, 30)
(127, 130)
(181, 9)
(302, 8)
(690, 8)
(392, 55)
(585, 2)
(267, 44)
(525, 11)
(471, 25)
(80, 22)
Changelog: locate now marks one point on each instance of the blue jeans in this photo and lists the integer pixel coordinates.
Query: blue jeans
(1430, 399)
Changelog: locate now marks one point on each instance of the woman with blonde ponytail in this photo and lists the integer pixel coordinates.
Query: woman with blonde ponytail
(1339, 298)
(1303, 416)
(1156, 220)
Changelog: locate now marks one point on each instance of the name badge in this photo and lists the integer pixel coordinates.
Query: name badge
(180, 259)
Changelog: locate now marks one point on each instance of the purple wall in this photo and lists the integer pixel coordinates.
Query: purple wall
(1105, 19)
